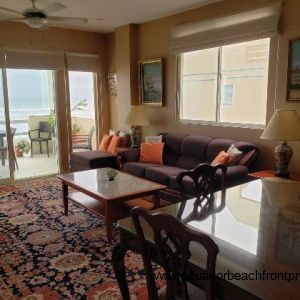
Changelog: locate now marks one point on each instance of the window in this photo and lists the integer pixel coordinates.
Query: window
(227, 99)
(226, 84)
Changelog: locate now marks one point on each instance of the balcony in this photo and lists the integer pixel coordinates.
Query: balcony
(38, 164)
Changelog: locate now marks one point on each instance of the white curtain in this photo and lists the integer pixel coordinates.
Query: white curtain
(255, 24)
(82, 62)
(2, 58)
(39, 60)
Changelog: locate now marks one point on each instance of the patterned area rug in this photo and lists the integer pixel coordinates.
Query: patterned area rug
(45, 255)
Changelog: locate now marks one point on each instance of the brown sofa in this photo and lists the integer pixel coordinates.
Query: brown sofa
(185, 152)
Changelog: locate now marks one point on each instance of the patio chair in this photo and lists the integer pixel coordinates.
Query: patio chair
(41, 135)
(3, 149)
(83, 141)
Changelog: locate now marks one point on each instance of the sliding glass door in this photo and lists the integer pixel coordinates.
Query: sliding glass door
(32, 122)
(82, 106)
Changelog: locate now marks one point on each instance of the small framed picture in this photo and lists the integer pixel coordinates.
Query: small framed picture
(151, 82)
(293, 84)
(112, 84)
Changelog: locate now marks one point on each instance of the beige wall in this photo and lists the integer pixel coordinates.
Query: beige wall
(19, 36)
(153, 41)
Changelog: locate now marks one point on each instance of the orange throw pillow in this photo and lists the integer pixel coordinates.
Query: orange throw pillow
(151, 153)
(115, 142)
(105, 142)
(221, 158)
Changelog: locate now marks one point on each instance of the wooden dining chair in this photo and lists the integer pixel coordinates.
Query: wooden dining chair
(172, 240)
(204, 180)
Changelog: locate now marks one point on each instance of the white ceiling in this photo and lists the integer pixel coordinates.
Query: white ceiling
(114, 13)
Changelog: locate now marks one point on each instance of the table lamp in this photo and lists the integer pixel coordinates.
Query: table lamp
(136, 118)
(283, 126)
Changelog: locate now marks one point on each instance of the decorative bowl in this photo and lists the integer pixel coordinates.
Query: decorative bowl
(111, 174)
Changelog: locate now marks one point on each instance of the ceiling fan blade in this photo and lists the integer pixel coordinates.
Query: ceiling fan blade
(12, 19)
(10, 10)
(52, 8)
(66, 19)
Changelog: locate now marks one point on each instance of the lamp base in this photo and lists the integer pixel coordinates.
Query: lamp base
(282, 154)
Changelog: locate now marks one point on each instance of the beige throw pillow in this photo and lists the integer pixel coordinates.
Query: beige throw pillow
(234, 155)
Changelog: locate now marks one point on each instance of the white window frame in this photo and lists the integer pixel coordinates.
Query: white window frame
(271, 92)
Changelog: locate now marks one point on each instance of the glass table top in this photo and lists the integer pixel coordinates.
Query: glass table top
(256, 226)
(96, 180)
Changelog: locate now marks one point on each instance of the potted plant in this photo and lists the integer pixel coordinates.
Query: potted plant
(22, 147)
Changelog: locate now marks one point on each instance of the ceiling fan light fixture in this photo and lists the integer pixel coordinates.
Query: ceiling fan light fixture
(36, 22)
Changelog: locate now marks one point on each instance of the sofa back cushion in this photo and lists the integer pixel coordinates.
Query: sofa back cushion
(192, 151)
(187, 151)
(172, 148)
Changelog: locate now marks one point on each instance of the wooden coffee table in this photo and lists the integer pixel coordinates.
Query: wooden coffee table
(96, 193)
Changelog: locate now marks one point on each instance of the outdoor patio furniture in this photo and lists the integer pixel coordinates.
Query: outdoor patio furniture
(83, 141)
(40, 135)
(3, 149)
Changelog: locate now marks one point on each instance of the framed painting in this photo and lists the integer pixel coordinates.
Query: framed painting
(112, 84)
(293, 84)
(151, 82)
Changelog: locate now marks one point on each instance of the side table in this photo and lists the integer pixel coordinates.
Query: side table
(270, 173)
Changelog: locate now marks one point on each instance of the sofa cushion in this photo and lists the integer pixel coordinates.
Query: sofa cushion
(221, 158)
(93, 159)
(162, 174)
(192, 151)
(171, 148)
(106, 139)
(151, 153)
(173, 142)
(137, 168)
(195, 146)
(235, 175)
(187, 183)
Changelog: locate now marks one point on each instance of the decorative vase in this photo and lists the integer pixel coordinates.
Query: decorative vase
(19, 152)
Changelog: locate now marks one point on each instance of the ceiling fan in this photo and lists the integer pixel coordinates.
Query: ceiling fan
(38, 18)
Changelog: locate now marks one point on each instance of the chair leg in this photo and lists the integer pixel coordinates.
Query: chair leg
(31, 144)
(40, 147)
(47, 143)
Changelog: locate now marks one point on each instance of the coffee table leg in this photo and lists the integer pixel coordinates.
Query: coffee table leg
(65, 197)
(108, 220)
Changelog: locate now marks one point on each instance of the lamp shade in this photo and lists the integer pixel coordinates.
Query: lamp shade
(283, 126)
(137, 117)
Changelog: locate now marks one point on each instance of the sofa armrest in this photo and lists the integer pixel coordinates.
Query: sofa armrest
(128, 155)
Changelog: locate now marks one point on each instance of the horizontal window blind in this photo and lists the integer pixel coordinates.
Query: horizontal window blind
(255, 24)
(40, 60)
(82, 62)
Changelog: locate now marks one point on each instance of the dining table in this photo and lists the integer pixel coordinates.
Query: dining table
(256, 226)
(2, 153)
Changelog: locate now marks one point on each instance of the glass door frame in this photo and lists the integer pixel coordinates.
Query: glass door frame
(9, 139)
